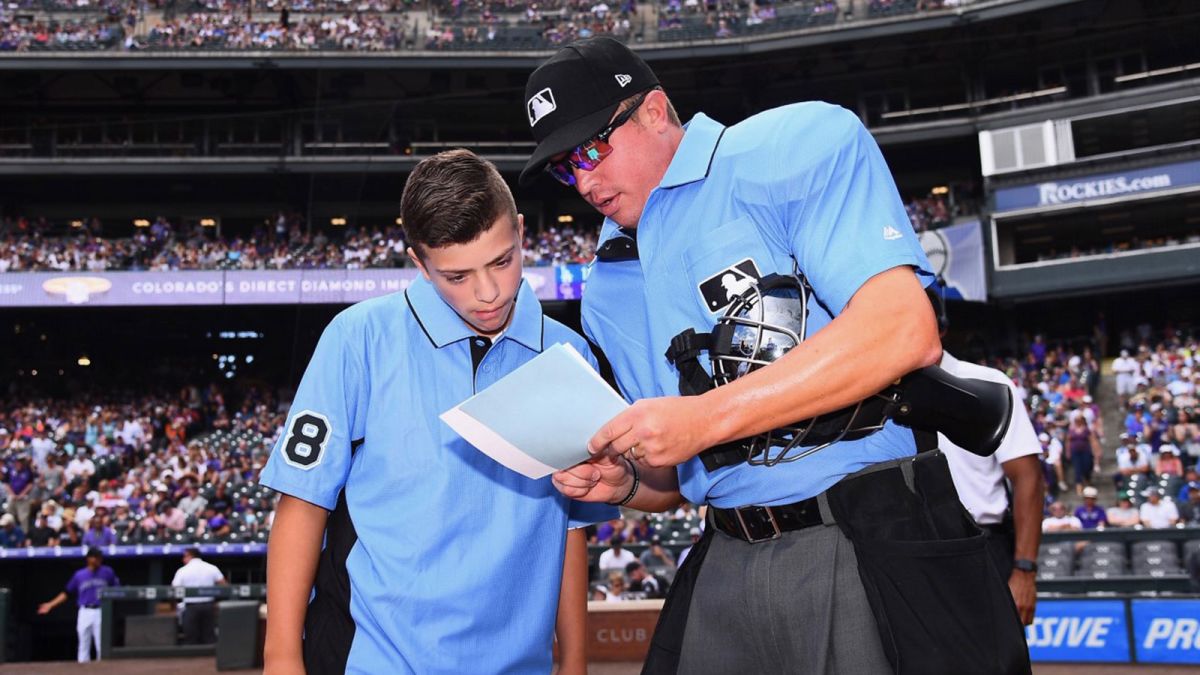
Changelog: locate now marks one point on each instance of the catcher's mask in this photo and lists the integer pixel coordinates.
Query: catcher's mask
(762, 325)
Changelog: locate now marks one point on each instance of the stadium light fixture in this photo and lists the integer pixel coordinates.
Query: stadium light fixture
(399, 221)
(208, 222)
(940, 190)
(141, 222)
(337, 222)
(84, 361)
(566, 218)
(76, 223)
(33, 372)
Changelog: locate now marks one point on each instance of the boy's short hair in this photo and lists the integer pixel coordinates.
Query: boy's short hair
(453, 198)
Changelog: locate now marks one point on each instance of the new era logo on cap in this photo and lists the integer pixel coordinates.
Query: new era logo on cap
(623, 79)
(540, 105)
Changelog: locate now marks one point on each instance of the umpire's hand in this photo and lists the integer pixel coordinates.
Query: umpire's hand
(658, 432)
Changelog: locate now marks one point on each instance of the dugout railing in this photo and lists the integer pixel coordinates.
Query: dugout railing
(150, 597)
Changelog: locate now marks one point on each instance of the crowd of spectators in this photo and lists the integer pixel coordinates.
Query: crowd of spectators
(375, 25)
(560, 246)
(622, 575)
(1153, 462)
(307, 6)
(173, 467)
(358, 31)
(929, 213)
(18, 35)
(1117, 246)
(36, 245)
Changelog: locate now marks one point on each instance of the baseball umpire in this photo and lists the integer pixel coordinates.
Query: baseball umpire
(857, 558)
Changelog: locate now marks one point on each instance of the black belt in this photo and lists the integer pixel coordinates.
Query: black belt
(763, 523)
(89, 606)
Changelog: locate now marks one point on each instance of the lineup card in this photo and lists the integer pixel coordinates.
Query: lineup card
(537, 419)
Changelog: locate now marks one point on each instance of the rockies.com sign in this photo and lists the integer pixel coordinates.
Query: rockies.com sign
(1061, 193)
(1128, 184)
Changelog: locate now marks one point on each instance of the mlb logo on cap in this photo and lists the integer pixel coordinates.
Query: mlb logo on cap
(582, 85)
(540, 105)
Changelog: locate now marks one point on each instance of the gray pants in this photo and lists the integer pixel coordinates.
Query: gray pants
(793, 605)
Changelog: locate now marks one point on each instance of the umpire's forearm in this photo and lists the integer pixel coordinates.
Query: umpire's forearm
(886, 331)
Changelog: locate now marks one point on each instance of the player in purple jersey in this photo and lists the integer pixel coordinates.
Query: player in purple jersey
(85, 584)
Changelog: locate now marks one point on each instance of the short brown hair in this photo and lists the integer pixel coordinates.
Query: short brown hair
(453, 198)
(672, 116)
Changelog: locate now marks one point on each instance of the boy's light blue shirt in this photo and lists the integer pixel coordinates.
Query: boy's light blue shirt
(801, 186)
(456, 561)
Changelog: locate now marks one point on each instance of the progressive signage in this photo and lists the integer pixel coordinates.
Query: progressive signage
(1167, 631)
(1079, 631)
(1080, 190)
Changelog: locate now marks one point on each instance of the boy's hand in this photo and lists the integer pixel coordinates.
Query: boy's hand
(603, 478)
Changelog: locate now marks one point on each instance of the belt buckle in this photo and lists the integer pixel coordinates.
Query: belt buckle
(776, 533)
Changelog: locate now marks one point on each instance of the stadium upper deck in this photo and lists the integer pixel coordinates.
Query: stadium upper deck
(440, 25)
(209, 133)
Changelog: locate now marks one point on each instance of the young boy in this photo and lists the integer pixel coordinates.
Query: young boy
(436, 559)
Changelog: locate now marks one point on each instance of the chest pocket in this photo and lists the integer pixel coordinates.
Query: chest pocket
(725, 262)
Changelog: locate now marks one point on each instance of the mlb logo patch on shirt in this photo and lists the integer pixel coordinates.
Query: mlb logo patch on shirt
(722, 288)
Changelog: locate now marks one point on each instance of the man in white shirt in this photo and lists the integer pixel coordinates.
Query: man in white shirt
(1157, 513)
(1052, 450)
(40, 447)
(1060, 521)
(1125, 368)
(1131, 459)
(616, 557)
(1013, 536)
(192, 503)
(132, 433)
(1123, 514)
(80, 466)
(199, 614)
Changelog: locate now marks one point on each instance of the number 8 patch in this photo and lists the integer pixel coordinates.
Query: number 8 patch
(306, 439)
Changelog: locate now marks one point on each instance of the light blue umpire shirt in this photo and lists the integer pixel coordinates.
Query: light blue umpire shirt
(437, 559)
(802, 185)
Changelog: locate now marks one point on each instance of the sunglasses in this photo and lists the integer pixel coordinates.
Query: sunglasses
(588, 155)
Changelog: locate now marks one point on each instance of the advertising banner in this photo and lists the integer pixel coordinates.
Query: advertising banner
(1100, 186)
(956, 254)
(1079, 631)
(241, 287)
(1167, 631)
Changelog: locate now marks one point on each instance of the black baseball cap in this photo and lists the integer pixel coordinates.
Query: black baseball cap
(576, 92)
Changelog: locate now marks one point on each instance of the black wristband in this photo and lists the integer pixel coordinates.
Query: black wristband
(637, 481)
